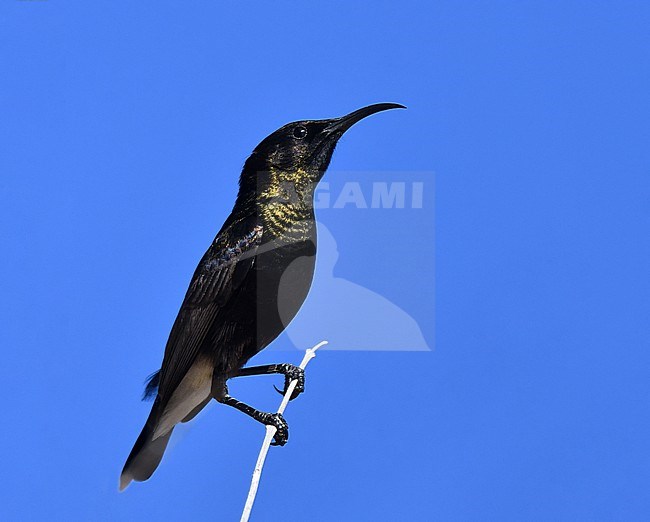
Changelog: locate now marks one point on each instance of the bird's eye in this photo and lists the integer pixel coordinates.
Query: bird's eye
(299, 133)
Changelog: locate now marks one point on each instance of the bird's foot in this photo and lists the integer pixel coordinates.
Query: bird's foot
(292, 373)
(282, 434)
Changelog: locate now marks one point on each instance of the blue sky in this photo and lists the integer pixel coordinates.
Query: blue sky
(123, 131)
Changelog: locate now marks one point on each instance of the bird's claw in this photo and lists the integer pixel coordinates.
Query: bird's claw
(292, 373)
(282, 434)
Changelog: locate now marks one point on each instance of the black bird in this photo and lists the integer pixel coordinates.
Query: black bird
(247, 287)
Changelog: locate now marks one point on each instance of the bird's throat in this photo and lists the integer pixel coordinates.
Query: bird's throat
(286, 203)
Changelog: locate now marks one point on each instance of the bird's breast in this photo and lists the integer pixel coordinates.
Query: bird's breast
(283, 275)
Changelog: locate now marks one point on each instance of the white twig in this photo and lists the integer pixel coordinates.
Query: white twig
(270, 432)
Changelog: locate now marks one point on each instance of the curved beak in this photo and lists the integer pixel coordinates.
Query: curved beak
(342, 124)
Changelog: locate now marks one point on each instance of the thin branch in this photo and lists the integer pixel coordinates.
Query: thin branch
(270, 432)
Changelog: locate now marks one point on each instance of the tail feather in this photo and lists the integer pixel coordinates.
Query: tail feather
(146, 453)
(189, 397)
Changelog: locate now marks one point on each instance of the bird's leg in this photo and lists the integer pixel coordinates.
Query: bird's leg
(273, 419)
(290, 372)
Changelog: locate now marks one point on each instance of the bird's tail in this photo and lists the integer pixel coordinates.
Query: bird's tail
(146, 453)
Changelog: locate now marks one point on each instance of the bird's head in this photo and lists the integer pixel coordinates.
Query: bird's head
(298, 153)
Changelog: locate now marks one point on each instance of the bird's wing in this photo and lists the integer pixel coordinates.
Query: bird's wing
(220, 271)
